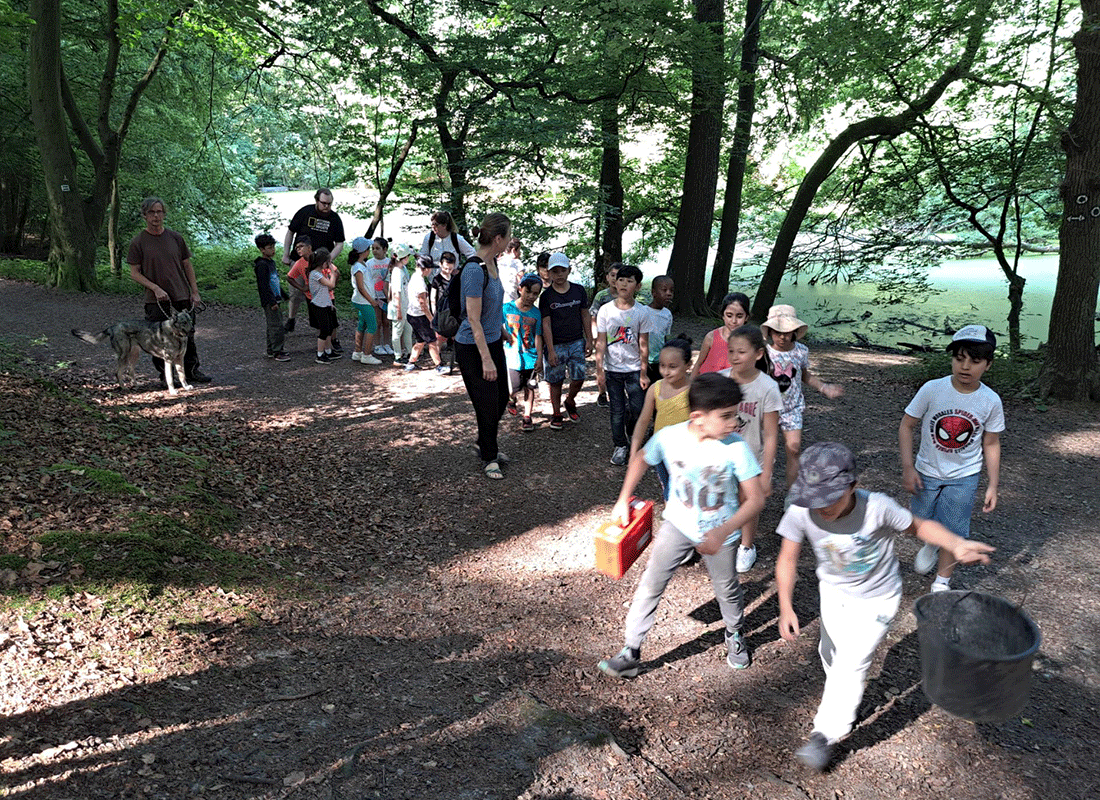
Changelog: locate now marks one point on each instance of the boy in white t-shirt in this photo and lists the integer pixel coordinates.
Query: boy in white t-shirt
(714, 487)
(960, 421)
(852, 534)
(622, 355)
(400, 331)
(660, 322)
(418, 315)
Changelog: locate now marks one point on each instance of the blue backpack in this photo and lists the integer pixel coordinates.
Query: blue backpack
(448, 317)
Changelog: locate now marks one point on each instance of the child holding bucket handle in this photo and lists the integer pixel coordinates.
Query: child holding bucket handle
(852, 534)
(959, 421)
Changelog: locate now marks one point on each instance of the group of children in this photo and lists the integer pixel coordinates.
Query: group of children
(716, 482)
(716, 418)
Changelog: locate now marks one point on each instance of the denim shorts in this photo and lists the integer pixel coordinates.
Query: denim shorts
(949, 501)
(570, 363)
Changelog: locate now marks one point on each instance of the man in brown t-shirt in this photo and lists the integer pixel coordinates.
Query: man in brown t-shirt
(160, 261)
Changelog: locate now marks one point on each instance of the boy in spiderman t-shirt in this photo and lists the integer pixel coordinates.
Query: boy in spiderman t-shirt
(959, 420)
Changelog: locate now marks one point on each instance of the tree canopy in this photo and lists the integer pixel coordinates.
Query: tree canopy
(597, 126)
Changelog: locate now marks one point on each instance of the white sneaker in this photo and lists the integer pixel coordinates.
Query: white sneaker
(355, 355)
(387, 350)
(939, 586)
(369, 359)
(926, 559)
(746, 557)
(379, 350)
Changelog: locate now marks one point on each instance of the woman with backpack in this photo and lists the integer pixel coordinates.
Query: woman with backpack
(479, 345)
(444, 237)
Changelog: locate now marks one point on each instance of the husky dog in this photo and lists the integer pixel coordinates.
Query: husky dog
(166, 340)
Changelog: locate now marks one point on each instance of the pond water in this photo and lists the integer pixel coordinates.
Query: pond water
(968, 290)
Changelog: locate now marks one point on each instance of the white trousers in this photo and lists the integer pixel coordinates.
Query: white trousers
(401, 336)
(851, 629)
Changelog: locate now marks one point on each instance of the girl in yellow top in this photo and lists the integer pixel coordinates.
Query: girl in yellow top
(667, 398)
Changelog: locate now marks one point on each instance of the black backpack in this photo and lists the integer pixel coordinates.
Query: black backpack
(449, 315)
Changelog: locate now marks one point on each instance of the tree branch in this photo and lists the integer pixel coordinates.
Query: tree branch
(151, 70)
(83, 133)
(110, 71)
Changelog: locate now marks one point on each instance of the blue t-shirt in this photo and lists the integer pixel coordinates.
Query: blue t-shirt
(492, 302)
(524, 327)
(704, 478)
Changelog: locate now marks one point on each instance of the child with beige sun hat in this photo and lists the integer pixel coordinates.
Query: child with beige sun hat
(790, 368)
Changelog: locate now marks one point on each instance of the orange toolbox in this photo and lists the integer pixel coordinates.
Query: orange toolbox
(617, 547)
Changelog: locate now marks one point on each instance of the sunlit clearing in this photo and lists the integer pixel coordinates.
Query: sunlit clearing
(561, 548)
(875, 359)
(1078, 443)
(129, 747)
(62, 777)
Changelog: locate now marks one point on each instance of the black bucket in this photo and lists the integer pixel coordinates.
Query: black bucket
(975, 652)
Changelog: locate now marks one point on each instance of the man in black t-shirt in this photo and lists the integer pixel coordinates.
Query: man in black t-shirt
(320, 223)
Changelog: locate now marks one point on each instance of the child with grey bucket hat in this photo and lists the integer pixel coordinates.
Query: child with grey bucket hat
(852, 534)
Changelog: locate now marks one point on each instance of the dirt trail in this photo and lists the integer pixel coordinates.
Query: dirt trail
(446, 643)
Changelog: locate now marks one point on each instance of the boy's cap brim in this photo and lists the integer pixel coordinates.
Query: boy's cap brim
(972, 333)
(826, 471)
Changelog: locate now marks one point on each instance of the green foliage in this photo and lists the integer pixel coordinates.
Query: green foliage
(1009, 376)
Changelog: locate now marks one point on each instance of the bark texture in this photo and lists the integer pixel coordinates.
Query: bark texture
(1071, 370)
(688, 261)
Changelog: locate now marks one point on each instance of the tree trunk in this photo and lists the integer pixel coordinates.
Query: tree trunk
(1071, 370)
(454, 150)
(739, 155)
(611, 192)
(15, 204)
(113, 210)
(688, 261)
(1015, 307)
(72, 241)
(881, 126)
(391, 180)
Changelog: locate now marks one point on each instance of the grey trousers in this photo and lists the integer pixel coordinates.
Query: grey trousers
(670, 547)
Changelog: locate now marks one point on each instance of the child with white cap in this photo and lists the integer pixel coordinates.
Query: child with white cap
(852, 534)
(400, 330)
(567, 337)
(790, 368)
(960, 421)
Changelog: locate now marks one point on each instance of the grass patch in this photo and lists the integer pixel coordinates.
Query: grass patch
(93, 479)
(156, 550)
(13, 561)
(192, 460)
